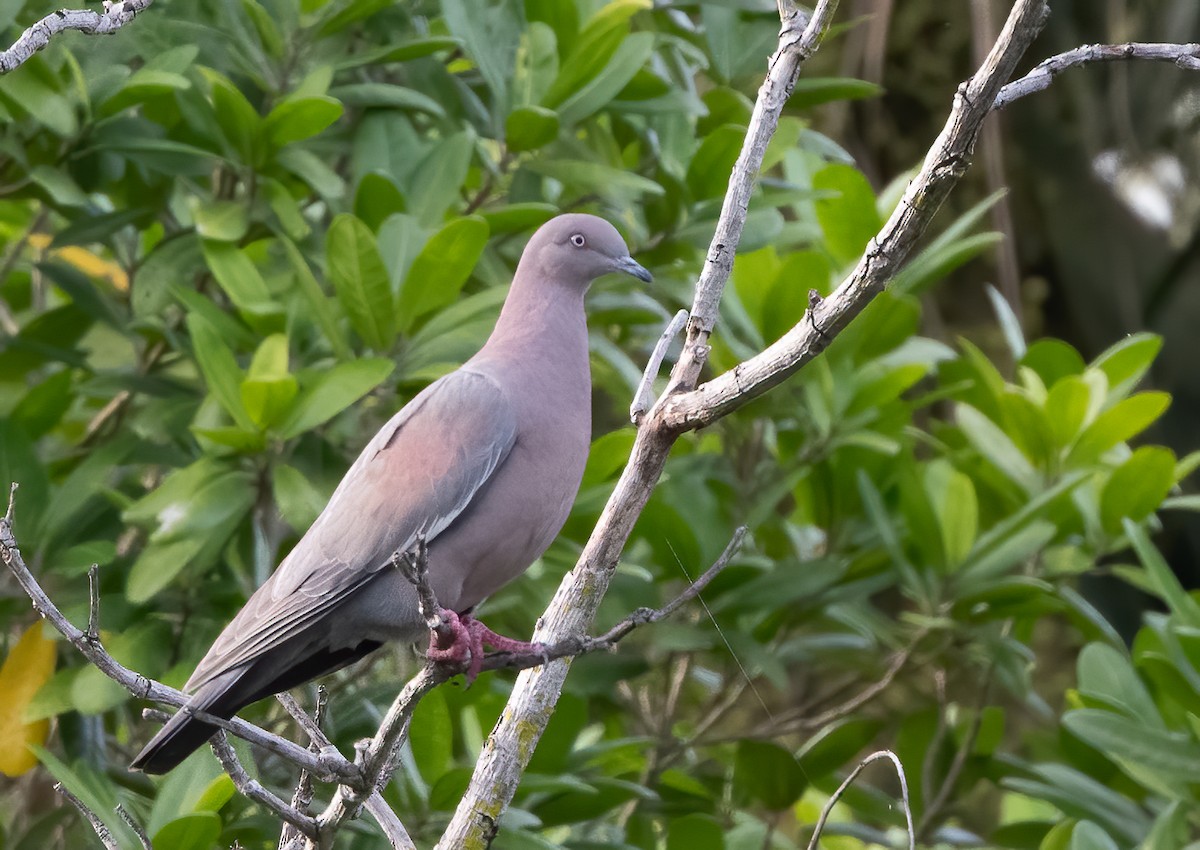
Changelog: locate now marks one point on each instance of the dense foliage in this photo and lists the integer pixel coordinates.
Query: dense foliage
(238, 235)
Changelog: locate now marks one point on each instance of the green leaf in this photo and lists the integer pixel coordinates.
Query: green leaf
(239, 121)
(1137, 487)
(197, 831)
(710, 167)
(43, 406)
(312, 170)
(994, 445)
(337, 16)
(596, 177)
(268, 388)
(361, 281)
(813, 91)
(1067, 407)
(1127, 361)
(1163, 580)
(490, 35)
(377, 198)
(220, 369)
(630, 56)
(1106, 673)
(530, 127)
(516, 218)
(768, 774)
(331, 391)
(220, 221)
(694, 832)
(237, 276)
(1173, 756)
(439, 177)
(1089, 836)
(1126, 419)
(849, 219)
(595, 46)
(296, 118)
(318, 302)
(432, 736)
(299, 502)
(952, 495)
(438, 273)
(387, 96)
(1053, 360)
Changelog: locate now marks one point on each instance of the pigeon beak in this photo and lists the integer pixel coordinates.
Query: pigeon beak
(630, 266)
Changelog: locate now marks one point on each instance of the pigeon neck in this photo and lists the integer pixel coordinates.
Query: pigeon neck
(542, 312)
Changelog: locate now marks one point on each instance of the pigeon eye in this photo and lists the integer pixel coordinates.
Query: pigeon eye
(577, 240)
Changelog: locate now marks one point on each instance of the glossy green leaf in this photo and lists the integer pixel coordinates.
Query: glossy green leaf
(377, 198)
(995, 446)
(219, 368)
(1137, 487)
(318, 302)
(386, 96)
(268, 389)
(236, 275)
(530, 127)
(710, 167)
(768, 774)
(438, 273)
(239, 121)
(439, 177)
(432, 736)
(1172, 755)
(331, 391)
(197, 831)
(631, 54)
(1126, 362)
(849, 218)
(1124, 420)
(220, 221)
(296, 118)
(361, 281)
(1162, 580)
(813, 91)
(952, 495)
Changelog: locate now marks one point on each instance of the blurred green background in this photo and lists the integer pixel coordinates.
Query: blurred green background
(238, 235)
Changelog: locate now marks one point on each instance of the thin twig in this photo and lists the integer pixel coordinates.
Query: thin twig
(326, 766)
(252, 789)
(643, 398)
(115, 16)
(135, 827)
(102, 830)
(93, 627)
(1186, 56)
(837, 795)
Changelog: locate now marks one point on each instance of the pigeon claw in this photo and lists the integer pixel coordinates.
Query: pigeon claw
(463, 639)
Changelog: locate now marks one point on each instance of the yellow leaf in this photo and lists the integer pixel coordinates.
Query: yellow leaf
(87, 262)
(29, 665)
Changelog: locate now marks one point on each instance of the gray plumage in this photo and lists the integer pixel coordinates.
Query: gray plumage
(485, 462)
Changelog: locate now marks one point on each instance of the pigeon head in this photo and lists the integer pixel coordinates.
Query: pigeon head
(578, 248)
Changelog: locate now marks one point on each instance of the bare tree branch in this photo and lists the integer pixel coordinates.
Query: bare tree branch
(947, 161)
(326, 766)
(1186, 56)
(102, 830)
(137, 829)
(115, 16)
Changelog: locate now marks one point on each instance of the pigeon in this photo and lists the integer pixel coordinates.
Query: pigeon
(480, 468)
